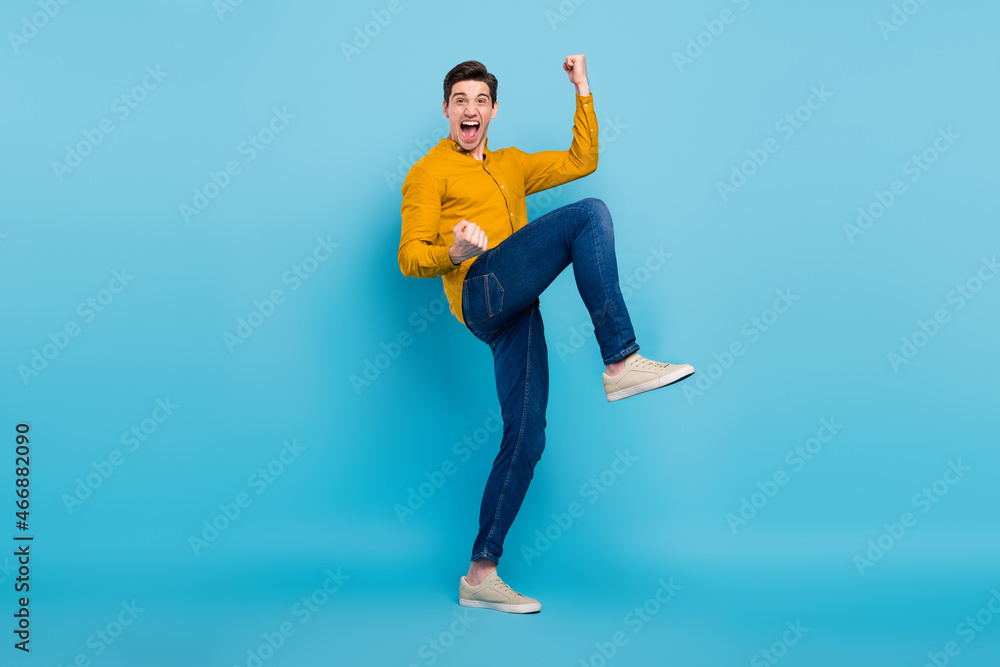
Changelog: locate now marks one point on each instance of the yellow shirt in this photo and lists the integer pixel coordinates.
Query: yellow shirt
(449, 184)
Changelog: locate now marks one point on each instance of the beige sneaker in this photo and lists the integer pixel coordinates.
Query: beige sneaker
(641, 374)
(493, 593)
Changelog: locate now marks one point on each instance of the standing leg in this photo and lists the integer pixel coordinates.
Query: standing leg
(522, 378)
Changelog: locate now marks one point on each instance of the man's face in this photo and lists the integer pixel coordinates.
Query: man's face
(469, 111)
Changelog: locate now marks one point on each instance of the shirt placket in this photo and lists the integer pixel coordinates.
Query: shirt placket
(503, 191)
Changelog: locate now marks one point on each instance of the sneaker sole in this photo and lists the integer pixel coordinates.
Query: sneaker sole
(661, 381)
(502, 606)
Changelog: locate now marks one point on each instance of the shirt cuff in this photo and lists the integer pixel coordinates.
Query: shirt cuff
(585, 106)
(443, 259)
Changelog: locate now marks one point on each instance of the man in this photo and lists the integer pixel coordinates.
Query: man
(464, 219)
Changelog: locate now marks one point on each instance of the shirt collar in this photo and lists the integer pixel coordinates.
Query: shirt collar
(458, 149)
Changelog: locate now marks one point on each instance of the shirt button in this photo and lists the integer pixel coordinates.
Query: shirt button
(501, 186)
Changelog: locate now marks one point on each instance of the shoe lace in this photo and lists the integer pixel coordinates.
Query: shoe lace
(648, 364)
(504, 587)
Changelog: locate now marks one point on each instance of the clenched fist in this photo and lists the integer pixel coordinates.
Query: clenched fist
(470, 240)
(576, 69)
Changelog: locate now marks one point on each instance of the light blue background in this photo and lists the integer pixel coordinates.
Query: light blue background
(325, 175)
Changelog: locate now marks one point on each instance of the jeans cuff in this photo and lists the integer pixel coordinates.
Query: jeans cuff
(487, 555)
(634, 347)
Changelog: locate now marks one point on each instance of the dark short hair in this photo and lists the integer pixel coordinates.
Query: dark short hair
(470, 70)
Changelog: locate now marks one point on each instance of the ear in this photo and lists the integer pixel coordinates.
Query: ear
(444, 108)
(494, 114)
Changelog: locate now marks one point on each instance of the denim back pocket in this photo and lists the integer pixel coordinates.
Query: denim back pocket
(482, 298)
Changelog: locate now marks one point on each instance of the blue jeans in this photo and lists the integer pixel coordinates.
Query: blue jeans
(500, 307)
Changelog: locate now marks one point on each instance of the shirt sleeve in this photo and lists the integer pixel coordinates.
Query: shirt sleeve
(422, 251)
(548, 169)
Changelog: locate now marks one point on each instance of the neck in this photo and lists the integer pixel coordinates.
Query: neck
(477, 152)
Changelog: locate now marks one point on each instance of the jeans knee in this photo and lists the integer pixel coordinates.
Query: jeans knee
(535, 446)
(595, 205)
(597, 211)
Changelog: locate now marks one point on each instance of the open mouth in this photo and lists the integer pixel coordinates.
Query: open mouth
(470, 130)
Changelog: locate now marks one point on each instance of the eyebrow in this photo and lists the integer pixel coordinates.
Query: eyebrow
(486, 95)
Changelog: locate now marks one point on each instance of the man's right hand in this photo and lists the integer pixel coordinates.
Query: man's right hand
(470, 240)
